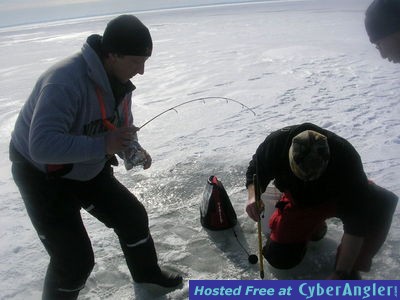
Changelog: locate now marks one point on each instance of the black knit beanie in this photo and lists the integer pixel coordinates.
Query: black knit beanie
(382, 18)
(127, 35)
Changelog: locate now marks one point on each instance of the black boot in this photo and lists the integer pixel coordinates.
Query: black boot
(163, 278)
(143, 265)
(52, 290)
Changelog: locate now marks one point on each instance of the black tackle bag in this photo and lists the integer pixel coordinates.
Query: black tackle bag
(216, 210)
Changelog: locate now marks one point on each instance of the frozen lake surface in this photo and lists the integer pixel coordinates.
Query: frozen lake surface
(290, 61)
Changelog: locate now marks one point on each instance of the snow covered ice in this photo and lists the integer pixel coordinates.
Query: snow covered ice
(290, 61)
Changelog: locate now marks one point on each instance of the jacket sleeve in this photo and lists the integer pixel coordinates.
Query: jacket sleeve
(130, 122)
(264, 163)
(355, 202)
(50, 140)
(129, 114)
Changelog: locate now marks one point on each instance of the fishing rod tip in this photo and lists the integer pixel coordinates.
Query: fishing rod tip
(262, 274)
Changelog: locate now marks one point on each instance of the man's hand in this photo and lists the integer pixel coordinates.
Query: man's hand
(120, 139)
(251, 206)
(148, 161)
(347, 256)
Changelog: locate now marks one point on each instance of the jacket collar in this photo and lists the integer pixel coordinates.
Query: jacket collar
(91, 52)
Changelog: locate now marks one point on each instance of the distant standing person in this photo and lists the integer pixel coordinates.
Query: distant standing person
(382, 22)
(320, 176)
(62, 149)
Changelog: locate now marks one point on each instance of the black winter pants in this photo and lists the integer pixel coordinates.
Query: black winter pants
(54, 207)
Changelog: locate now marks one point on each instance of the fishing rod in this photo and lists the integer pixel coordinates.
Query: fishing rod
(259, 231)
(203, 99)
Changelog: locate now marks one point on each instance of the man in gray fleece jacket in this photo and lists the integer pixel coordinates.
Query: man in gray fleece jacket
(76, 119)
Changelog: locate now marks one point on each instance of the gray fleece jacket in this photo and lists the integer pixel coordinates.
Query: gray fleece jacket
(61, 121)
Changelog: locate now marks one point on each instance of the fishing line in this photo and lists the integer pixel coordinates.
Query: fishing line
(203, 99)
(252, 258)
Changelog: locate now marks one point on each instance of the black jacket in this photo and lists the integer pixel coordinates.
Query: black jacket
(344, 180)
